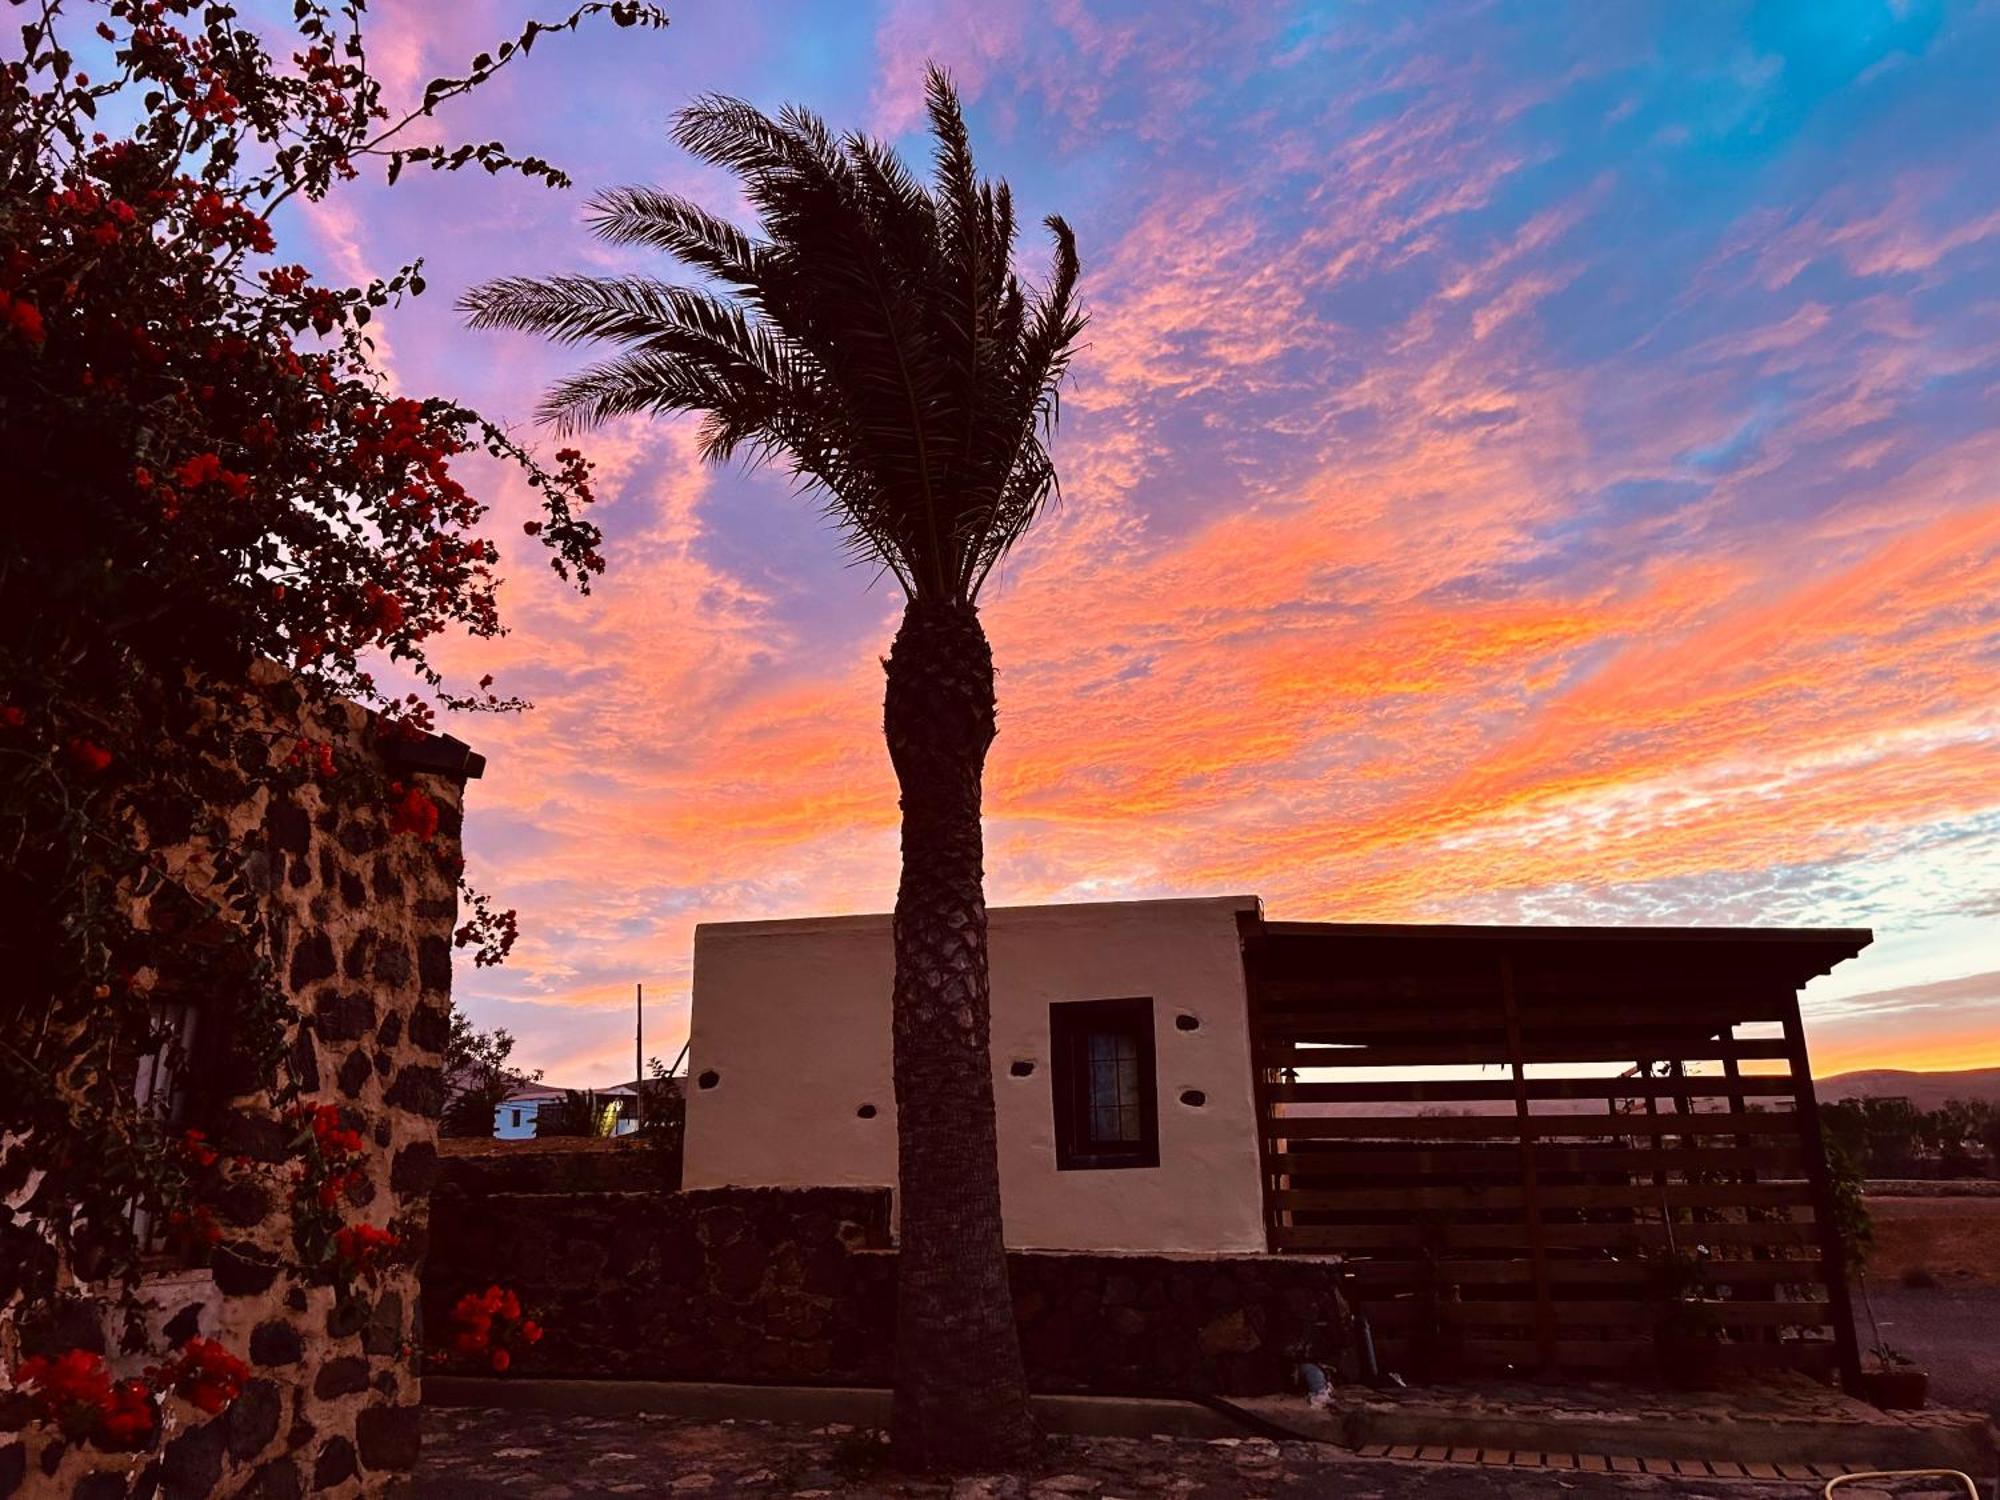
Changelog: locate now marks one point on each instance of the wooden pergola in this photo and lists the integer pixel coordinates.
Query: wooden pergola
(1528, 1141)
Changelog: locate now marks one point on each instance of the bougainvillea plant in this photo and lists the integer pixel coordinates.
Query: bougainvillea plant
(488, 1328)
(205, 471)
(204, 1373)
(75, 1394)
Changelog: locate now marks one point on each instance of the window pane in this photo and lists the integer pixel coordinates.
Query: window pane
(1113, 1114)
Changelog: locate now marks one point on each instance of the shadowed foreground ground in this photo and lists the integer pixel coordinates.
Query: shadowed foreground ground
(1952, 1331)
(471, 1454)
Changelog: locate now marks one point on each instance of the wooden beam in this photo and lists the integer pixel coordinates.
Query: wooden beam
(1538, 1244)
(1621, 1049)
(1472, 1090)
(1567, 1272)
(1249, 934)
(1418, 1160)
(1769, 1122)
(1832, 1251)
(1470, 1199)
(1612, 1237)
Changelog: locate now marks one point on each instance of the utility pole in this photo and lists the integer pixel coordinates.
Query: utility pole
(639, 1060)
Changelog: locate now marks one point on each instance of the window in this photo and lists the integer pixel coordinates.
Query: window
(517, 1120)
(160, 1087)
(1102, 1081)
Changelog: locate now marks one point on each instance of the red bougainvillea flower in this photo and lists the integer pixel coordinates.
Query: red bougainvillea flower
(24, 318)
(194, 1226)
(74, 1392)
(363, 1250)
(204, 1373)
(93, 758)
(206, 468)
(127, 1418)
(381, 611)
(318, 758)
(488, 1327)
(414, 813)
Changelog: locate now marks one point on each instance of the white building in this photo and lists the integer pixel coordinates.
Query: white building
(1524, 1112)
(790, 1059)
(517, 1116)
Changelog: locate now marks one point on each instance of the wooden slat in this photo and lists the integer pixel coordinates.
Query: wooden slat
(1504, 1127)
(1570, 1354)
(1417, 1160)
(1815, 1356)
(1374, 1275)
(1457, 1054)
(1626, 1313)
(1490, 1199)
(1356, 1237)
(1473, 1090)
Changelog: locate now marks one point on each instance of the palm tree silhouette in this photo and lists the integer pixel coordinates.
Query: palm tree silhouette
(872, 336)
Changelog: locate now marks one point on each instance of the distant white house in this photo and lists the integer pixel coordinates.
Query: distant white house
(516, 1116)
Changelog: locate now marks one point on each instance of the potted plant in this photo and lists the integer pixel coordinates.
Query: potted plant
(1688, 1334)
(1439, 1344)
(1894, 1383)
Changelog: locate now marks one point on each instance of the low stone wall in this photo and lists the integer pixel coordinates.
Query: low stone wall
(1227, 1325)
(482, 1167)
(719, 1284)
(798, 1286)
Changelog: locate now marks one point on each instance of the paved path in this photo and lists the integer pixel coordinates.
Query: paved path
(479, 1454)
(1952, 1332)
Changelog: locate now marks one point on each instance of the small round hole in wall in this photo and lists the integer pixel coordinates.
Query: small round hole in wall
(1186, 1022)
(866, 1112)
(1193, 1098)
(708, 1080)
(1023, 1067)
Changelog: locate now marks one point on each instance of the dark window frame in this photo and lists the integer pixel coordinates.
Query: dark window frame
(1071, 1024)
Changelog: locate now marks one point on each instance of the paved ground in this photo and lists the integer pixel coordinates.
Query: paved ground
(483, 1454)
(1954, 1332)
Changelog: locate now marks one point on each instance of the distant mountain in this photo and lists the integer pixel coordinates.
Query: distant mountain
(1924, 1090)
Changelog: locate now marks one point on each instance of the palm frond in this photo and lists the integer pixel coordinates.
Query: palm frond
(682, 228)
(869, 334)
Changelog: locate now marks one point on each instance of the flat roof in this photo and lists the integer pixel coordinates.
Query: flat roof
(1044, 911)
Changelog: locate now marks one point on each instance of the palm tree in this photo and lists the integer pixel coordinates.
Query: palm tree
(872, 336)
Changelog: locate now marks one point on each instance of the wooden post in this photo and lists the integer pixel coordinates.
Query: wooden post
(639, 1059)
(1832, 1252)
(1531, 1197)
(1249, 932)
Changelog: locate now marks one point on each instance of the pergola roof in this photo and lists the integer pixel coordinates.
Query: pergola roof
(1568, 959)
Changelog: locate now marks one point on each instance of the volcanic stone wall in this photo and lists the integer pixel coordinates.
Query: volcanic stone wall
(797, 1285)
(361, 914)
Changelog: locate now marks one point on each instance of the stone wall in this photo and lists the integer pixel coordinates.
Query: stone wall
(478, 1168)
(797, 1285)
(361, 919)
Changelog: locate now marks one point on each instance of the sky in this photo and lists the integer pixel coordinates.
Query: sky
(1531, 463)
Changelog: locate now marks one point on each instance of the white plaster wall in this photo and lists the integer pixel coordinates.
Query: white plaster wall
(793, 1019)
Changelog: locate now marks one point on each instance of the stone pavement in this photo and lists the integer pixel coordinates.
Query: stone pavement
(485, 1454)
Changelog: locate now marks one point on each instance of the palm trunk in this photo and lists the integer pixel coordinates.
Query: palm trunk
(961, 1399)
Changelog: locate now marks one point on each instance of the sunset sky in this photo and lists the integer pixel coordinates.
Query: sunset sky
(1532, 462)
